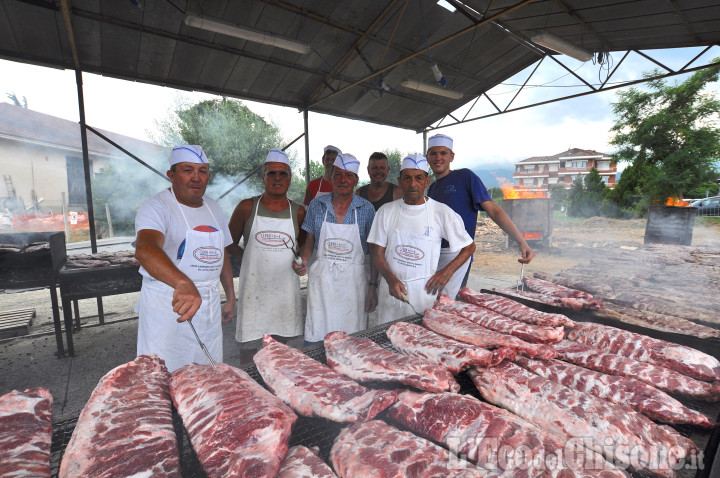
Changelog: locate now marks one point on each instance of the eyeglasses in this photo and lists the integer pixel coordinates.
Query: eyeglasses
(278, 174)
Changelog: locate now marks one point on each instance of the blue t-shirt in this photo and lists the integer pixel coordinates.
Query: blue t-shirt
(463, 191)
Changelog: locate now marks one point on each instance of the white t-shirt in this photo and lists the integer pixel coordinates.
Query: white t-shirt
(444, 223)
(161, 212)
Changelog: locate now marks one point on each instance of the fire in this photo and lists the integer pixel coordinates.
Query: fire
(532, 235)
(520, 192)
(671, 201)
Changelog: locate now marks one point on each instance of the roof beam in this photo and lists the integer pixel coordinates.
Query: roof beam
(577, 18)
(421, 52)
(680, 14)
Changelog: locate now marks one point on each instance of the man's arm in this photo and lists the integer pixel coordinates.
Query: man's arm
(302, 235)
(397, 192)
(371, 300)
(226, 279)
(438, 281)
(148, 250)
(503, 220)
(377, 256)
(237, 225)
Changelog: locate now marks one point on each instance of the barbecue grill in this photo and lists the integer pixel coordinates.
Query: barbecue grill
(24, 270)
(533, 217)
(670, 225)
(76, 284)
(310, 431)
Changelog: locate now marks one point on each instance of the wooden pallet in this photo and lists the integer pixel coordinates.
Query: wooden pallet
(16, 322)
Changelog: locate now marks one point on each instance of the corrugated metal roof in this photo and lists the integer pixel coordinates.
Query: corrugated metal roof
(355, 44)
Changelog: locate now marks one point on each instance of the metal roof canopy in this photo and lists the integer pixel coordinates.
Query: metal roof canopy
(355, 44)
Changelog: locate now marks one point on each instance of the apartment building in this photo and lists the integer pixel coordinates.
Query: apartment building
(540, 173)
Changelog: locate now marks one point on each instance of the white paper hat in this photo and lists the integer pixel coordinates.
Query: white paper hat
(440, 140)
(347, 162)
(414, 161)
(187, 153)
(277, 156)
(330, 147)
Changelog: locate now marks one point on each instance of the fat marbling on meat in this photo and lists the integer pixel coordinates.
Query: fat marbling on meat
(495, 438)
(126, 427)
(236, 427)
(417, 341)
(659, 377)
(312, 388)
(363, 360)
(378, 450)
(514, 309)
(25, 433)
(500, 323)
(616, 431)
(458, 328)
(304, 462)
(643, 398)
(680, 358)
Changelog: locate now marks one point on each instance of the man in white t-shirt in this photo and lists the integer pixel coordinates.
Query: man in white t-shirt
(180, 242)
(405, 245)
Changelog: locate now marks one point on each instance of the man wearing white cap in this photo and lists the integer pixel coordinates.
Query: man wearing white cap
(322, 185)
(268, 291)
(338, 226)
(405, 245)
(464, 192)
(180, 242)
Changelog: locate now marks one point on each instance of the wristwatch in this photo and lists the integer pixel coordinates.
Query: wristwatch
(373, 283)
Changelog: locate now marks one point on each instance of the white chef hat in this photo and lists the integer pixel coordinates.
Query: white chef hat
(187, 153)
(414, 161)
(277, 156)
(347, 162)
(330, 147)
(440, 140)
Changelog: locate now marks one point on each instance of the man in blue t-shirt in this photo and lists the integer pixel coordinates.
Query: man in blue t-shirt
(465, 193)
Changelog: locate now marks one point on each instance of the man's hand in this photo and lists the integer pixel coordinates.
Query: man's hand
(371, 300)
(527, 254)
(300, 270)
(438, 281)
(228, 311)
(397, 288)
(186, 301)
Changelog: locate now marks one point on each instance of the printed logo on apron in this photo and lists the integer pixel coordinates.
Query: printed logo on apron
(338, 247)
(208, 254)
(410, 253)
(273, 238)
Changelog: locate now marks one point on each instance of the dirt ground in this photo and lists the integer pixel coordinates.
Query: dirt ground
(572, 242)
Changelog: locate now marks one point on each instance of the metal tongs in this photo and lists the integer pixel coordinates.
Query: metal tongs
(298, 259)
(521, 286)
(202, 345)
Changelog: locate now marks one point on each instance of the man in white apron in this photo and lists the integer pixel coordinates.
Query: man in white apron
(180, 242)
(465, 193)
(405, 245)
(337, 225)
(322, 185)
(268, 292)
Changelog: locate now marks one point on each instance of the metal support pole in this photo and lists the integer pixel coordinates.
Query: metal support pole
(424, 148)
(307, 147)
(86, 161)
(109, 220)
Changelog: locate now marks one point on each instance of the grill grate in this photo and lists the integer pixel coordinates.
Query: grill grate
(312, 431)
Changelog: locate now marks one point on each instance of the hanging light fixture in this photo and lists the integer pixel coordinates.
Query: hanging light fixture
(432, 89)
(245, 33)
(560, 45)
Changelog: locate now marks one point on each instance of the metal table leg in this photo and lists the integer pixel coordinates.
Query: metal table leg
(67, 313)
(56, 321)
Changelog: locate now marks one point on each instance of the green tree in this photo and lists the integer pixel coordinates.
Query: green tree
(669, 136)
(559, 195)
(395, 161)
(236, 141)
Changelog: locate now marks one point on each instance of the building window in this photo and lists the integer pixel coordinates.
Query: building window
(579, 164)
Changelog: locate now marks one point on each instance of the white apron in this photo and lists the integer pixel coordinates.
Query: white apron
(337, 283)
(453, 286)
(413, 259)
(268, 290)
(159, 331)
